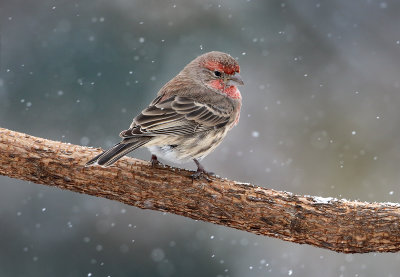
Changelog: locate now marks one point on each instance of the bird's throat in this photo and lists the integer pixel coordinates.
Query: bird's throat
(231, 91)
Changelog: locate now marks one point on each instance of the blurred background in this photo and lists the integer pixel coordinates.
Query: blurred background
(320, 117)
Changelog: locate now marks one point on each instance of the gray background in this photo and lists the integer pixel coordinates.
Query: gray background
(320, 117)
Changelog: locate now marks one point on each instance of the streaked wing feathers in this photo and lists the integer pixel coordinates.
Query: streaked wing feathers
(177, 116)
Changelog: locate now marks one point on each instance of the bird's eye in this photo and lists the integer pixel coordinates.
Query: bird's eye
(217, 73)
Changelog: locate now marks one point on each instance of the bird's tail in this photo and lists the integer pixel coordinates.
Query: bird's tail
(116, 152)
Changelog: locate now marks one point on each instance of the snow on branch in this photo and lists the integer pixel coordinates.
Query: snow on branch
(338, 225)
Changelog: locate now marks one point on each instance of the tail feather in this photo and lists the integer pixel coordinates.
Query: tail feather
(116, 152)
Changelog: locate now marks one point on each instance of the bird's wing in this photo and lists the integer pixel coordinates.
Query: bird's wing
(178, 115)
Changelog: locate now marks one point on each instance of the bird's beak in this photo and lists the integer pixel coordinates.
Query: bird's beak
(235, 79)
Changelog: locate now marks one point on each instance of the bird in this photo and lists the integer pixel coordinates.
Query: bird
(190, 116)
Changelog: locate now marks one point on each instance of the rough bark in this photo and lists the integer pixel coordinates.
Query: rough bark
(338, 225)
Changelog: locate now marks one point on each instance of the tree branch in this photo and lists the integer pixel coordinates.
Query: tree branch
(338, 225)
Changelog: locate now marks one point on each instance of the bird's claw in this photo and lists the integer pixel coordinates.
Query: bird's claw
(154, 161)
(203, 174)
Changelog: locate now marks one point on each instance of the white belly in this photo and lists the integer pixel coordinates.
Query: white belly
(179, 149)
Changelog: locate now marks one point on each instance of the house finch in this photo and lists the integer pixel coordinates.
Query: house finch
(190, 116)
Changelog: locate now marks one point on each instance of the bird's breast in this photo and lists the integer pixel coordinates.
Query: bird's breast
(180, 149)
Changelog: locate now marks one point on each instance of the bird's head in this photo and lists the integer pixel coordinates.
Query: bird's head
(219, 71)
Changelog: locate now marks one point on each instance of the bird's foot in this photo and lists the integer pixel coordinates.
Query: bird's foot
(201, 172)
(154, 161)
